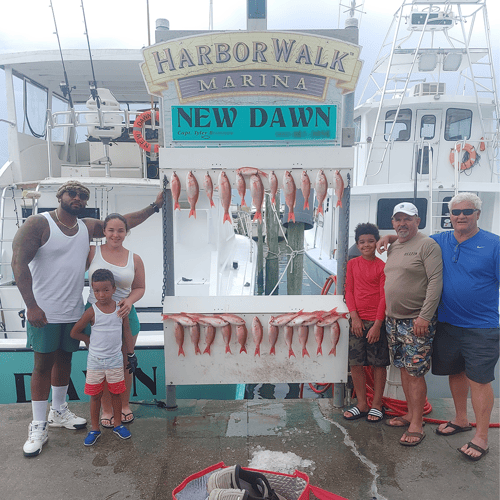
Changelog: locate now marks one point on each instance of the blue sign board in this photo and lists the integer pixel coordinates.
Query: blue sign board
(254, 123)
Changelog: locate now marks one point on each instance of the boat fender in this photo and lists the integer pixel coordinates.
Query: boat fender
(139, 122)
(470, 158)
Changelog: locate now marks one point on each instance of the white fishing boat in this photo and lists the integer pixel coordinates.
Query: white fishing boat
(426, 127)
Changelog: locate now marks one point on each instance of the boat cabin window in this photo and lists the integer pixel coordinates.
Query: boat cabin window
(402, 127)
(428, 127)
(35, 109)
(458, 124)
(385, 207)
(357, 129)
(58, 105)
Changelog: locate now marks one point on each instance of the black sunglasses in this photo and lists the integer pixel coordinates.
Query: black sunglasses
(83, 196)
(465, 211)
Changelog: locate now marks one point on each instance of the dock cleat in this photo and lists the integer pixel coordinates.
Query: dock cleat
(38, 435)
(235, 478)
(65, 418)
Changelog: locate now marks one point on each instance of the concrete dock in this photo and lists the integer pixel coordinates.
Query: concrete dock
(356, 460)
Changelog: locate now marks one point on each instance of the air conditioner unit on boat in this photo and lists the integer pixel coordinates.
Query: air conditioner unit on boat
(423, 89)
(435, 21)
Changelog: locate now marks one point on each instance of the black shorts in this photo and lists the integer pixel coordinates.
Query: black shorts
(474, 351)
(361, 353)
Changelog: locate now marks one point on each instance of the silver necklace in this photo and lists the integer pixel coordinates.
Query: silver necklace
(68, 227)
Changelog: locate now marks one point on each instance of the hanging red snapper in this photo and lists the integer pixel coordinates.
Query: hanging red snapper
(226, 335)
(290, 192)
(175, 186)
(225, 195)
(179, 338)
(318, 335)
(335, 332)
(193, 191)
(208, 186)
(273, 332)
(273, 185)
(257, 190)
(241, 335)
(339, 188)
(303, 336)
(195, 338)
(257, 334)
(209, 338)
(321, 188)
(305, 186)
(241, 186)
(288, 340)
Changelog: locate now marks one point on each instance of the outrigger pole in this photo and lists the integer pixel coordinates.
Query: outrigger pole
(93, 83)
(65, 87)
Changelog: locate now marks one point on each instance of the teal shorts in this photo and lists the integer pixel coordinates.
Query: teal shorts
(51, 337)
(133, 320)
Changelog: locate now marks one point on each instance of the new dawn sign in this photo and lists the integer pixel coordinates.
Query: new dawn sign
(251, 86)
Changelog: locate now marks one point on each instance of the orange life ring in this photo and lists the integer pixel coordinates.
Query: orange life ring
(471, 156)
(139, 122)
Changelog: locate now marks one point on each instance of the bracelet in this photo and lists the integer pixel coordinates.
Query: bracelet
(155, 207)
(130, 355)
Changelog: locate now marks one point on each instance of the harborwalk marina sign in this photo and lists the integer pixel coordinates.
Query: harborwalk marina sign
(252, 68)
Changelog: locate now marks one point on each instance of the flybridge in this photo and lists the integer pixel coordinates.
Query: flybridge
(281, 50)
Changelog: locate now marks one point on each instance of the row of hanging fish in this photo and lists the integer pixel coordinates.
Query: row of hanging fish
(302, 320)
(257, 190)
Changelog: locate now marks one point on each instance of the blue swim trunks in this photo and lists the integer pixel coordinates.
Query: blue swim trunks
(407, 350)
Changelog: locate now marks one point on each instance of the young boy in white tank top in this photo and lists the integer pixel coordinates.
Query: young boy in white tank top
(105, 358)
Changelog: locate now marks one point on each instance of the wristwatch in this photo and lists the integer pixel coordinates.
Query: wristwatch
(156, 208)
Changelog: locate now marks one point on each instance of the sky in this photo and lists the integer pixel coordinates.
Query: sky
(29, 24)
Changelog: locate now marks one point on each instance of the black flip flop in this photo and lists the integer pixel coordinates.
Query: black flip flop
(456, 429)
(110, 425)
(475, 447)
(356, 413)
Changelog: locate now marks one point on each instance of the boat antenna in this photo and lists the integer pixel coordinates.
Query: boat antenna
(65, 87)
(93, 83)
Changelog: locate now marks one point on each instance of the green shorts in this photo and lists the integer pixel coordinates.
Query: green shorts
(133, 320)
(51, 337)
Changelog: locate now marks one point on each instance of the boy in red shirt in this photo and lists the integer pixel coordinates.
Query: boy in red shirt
(365, 299)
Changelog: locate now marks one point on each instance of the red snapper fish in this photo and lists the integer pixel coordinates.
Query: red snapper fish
(283, 319)
(195, 338)
(179, 338)
(290, 192)
(241, 335)
(208, 186)
(232, 318)
(225, 195)
(193, 191)
(257, 190)
(273, 332)
(257, 334)
(206, 319)
(242, 188)
(331, 318)
(312, 318)
(209, 338)
(226, 335)
(183, 319)
(335, 332)
(318, 335)
(303, 336)
(175, 186)
(321, 188)
(273, 185)
(339, 188)
(250, 171)
(288, 340)
(305, 186)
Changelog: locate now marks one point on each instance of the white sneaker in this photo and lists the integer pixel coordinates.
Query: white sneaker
(38, 435)
(231, 494)
(65, 418)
